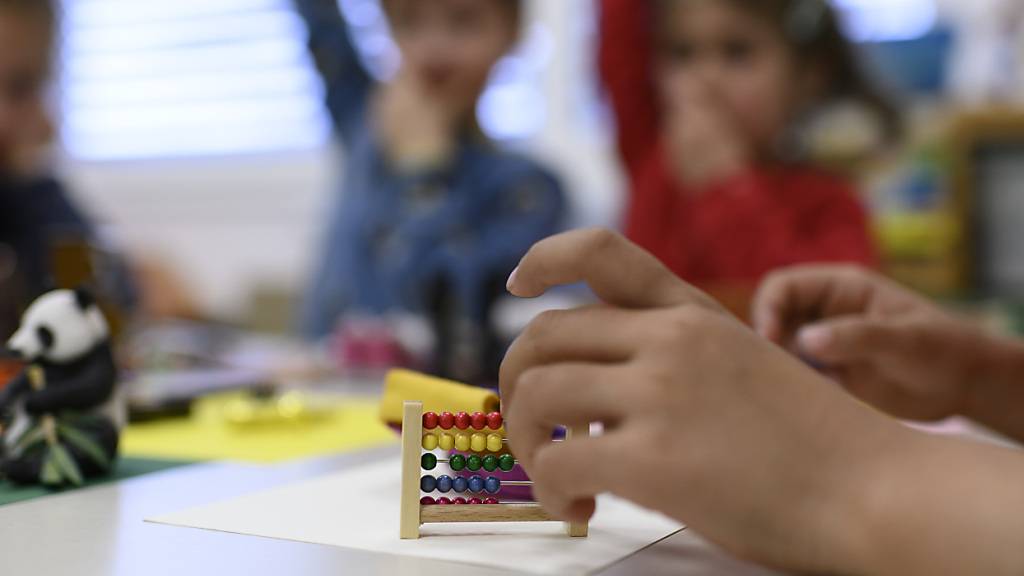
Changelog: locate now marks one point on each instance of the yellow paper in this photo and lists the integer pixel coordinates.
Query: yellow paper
(215, 432)
(437, 395)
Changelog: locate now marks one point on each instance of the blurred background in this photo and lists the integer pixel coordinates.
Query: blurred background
(194, 134)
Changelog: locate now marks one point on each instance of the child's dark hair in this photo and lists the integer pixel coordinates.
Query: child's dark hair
(812, 30)
(45, 11)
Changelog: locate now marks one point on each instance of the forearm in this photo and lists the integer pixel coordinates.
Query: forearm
(995, 390)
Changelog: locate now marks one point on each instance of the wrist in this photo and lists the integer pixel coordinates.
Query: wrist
(993, 391)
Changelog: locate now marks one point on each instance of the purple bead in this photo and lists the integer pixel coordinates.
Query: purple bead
(427, 501)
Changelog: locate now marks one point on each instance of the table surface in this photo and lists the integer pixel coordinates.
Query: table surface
(100, 531)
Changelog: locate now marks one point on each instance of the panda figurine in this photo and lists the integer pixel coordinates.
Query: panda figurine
(64, 336)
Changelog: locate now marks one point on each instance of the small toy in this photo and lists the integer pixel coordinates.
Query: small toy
(436, 394)
(471, 442)
(66, 414)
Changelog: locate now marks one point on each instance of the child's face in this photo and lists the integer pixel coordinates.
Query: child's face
(24, 67)
(450, 46)
(732, 59)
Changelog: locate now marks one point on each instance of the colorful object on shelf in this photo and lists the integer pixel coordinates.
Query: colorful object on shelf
(479, 496)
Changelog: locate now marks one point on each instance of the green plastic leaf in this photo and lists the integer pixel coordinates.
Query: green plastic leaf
(50, 474)
(84, 443)
(31, 437)
(68, 468)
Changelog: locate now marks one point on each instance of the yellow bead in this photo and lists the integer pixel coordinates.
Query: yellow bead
(429, 441)
(494, 442)
(462, 442)
(478, 443)
(447, 441)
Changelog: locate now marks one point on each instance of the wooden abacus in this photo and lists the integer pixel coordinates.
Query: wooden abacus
(470, 442)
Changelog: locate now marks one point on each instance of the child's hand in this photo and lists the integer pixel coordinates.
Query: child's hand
(887, 345)
(703, 420)
(416, 129)
(702, 145)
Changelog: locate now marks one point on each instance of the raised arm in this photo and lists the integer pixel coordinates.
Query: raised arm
(347, 82)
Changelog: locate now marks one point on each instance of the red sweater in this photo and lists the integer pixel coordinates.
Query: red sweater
(739, 229)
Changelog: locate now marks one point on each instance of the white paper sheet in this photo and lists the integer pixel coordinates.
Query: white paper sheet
(358, 508)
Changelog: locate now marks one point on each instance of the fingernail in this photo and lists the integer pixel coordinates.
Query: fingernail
(814, 338)
(511, 279)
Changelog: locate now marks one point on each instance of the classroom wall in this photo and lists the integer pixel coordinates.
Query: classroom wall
(233, 225)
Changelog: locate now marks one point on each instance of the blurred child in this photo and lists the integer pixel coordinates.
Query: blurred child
(432, 214)
(719, 191)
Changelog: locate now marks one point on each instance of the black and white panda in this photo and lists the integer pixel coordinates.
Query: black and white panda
(63, 332)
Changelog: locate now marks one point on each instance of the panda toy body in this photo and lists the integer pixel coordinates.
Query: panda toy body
(64, 335)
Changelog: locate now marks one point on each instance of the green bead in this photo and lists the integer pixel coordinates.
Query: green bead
(474, 462)
(457, 462)
(428, 461)
(506, 462)
(490, 462)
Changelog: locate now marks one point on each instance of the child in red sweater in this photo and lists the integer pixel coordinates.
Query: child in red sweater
(707, 93)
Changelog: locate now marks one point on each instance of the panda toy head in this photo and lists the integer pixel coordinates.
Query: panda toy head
(59, 327)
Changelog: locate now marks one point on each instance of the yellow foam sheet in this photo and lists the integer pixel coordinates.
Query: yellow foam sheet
(347, 425)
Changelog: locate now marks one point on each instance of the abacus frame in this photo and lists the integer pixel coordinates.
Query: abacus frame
(414, 514)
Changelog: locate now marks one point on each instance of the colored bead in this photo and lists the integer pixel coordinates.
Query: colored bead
(429, 421)
(474, 462)
(478, 443)
(428, 483)
(492, 485)
(506, 462)
(476, 484)
(446, 441)
(442, 500)
(427, 501)
(446, 420)
(489, 501)
(429, 442)
(462, 420)
(494, 420)
(490, 462)
(444, 483)
(479, 421)
(459, 500)
(428, 461)
(457, 462)
(462, 441)
(475, 501)
(460, 484)
(494, 443)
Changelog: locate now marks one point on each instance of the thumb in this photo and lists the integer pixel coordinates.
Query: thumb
(842, 340)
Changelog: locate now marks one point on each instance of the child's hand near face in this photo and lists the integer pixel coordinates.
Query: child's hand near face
(702, 143)
(889, 346)
(703, 420)
(416, 128)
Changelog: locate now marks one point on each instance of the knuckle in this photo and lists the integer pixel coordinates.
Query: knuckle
(601, 239)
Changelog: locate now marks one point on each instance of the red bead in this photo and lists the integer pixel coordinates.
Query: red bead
(443, 500)
(427, 501)
(459, 500)
(479, 421)
(462, 420)
(429, 421)
(486, 501)
(447, 420)
(494, 420)
(475, 501)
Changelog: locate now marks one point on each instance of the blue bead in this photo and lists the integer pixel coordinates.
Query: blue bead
(460, 484)
(492, 485)
(444, 483)
(428, 483)
(476, 484)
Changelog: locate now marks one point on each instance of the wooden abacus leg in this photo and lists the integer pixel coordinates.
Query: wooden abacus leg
(412, 438)
(577, 529)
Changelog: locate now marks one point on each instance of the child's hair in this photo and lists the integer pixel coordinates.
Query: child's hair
(45, 11)
(513, 7)
(812, 31)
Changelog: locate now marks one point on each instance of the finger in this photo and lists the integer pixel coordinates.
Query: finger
(568, 476)
(593, 334)
(790, 296)
(618, 271)
(845, 340)
(571, 394)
